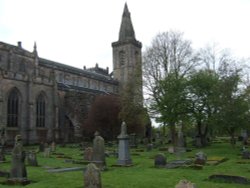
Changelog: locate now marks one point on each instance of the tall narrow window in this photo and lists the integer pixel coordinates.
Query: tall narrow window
(40, 111)
(12, 111)
(122, 58)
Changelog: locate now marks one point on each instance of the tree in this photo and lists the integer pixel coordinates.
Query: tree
(233, 113)
(104, 117)
(203, 91)
(172, 103)
(230, 108)
(170, 58)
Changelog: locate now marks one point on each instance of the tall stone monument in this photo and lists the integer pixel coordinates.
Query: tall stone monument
(123, 150)
(99, 151)
(18, 173)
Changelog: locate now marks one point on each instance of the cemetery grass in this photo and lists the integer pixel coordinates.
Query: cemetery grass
(141, 175)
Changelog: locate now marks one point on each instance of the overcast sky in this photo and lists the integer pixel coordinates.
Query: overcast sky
(80, 32)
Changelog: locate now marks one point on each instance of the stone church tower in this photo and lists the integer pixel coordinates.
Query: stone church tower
(127, 62)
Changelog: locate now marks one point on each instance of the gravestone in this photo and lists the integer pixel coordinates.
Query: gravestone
(171, 149)
(53, 147)
(132, 140)
(18, 173)
(123, 148)
(47, 150)
(200, 158)
(244, 135)
(150, 147)
(245, 154)
(2, 143)
(31, 158)
(2, 155)
(185, 184)
(88, 154)
(180, 147)
(92, 177)
(99, 152)
(160, 160)
(41, 147)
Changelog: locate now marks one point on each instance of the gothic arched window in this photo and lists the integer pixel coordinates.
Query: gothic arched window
(12, 109)
(40, 111)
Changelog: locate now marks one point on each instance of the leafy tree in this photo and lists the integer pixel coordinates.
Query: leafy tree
(172, 104)
(203, 93)
(233, 113)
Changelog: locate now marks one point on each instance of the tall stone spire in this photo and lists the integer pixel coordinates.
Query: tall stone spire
(127, 62)
(126, 29)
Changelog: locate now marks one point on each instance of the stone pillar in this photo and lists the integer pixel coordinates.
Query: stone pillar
(123, 150)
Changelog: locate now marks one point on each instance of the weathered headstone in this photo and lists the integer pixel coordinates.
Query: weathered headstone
(2, 155)
(180, 147)
(53, 147)
(18, 173)
(185, 184)
(92, 177)
(31, 158)
(160, 160)
(150, 147)
(245, 154)
(200, 158)
(2, 143)
(132, 140)
(123, 148)
(41, 147)
(99, 152)
(171, 149)
(88, 154)
(47, 150)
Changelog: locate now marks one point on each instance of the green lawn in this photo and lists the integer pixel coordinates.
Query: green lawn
(142, 174)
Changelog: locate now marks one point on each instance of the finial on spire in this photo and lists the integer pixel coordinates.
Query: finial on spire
(35, 48)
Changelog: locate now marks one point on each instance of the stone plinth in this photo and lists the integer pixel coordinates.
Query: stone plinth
(123, 150)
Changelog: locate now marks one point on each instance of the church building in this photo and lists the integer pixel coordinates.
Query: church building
(44, 100)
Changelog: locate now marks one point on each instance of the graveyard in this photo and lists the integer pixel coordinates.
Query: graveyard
(146, 165)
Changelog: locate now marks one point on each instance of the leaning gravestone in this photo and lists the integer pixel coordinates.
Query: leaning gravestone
(123, 149)
(99, 152)
(160, 160)
(92, 177)
(18, 173)
(31, 158)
